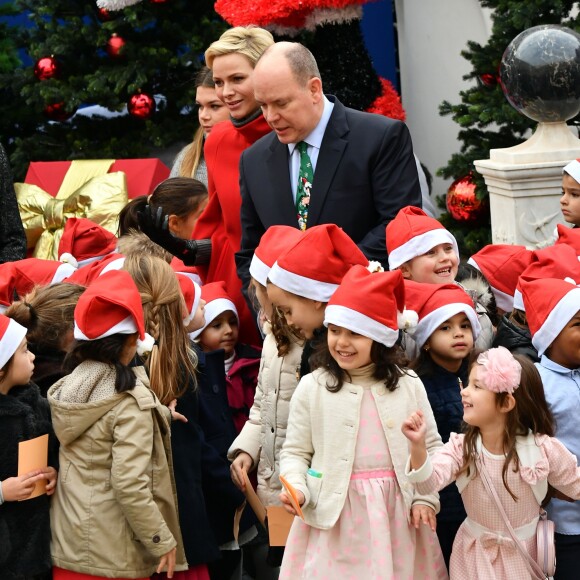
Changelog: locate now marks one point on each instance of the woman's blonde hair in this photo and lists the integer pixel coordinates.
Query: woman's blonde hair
(47, 312)
(250, 41)
(172, 361)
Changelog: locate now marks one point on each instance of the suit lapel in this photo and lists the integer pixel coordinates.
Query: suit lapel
(331, 152)
(281, 202)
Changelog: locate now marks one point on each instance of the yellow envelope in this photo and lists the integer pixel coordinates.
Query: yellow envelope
(33, 455)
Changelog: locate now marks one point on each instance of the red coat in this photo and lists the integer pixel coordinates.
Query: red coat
(241, 380)
(220, 220)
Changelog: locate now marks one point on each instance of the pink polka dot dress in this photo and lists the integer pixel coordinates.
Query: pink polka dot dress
(371, 539)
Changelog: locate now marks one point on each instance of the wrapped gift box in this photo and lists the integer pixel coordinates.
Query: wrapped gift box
(143, 175)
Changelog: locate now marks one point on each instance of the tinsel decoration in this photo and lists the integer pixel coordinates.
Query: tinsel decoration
(345, 65)
(388, 103)
(280, 13)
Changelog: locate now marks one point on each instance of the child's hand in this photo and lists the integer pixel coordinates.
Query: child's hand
(242, 462)
(414, 428)
(422, 513)
(50, 473)
(21, 487)
(288, 504)
(169, 561)
(175, 416)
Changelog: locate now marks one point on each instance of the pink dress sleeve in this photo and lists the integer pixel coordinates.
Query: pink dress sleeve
(563, 471)
(441, 467)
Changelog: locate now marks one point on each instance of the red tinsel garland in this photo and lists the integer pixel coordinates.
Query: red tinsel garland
(287, 13)
(388, 103)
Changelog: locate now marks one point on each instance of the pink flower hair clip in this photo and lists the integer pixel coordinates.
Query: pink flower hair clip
(500, 371)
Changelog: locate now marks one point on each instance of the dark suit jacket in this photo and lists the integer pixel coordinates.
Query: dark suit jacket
(365, 173)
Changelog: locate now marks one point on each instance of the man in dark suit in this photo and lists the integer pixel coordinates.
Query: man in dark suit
(363, 164)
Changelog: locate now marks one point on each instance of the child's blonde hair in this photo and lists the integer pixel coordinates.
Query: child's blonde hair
(172, 361)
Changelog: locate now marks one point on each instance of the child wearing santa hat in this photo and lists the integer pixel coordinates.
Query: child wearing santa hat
(553, 314)
(241, 361)
(445, 334)
(570, 200)
(118, 485)
(344, 457)
(306, 275)
(258, 445)
(24, 415)
(426, 252)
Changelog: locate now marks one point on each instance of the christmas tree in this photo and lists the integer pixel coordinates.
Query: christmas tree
(486, 119)
(144, 57)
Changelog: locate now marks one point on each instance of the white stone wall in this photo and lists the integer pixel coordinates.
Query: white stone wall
(432, 34)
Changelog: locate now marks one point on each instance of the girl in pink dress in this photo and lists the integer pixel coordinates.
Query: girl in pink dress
(510, 430)
(344, 455)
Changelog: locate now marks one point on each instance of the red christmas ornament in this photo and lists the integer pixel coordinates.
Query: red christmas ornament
(158, 1)
(104, 15)
(141, 105)
(58, 112)
(114, 46)
(46, 68)
(488, 79)
(462, 202)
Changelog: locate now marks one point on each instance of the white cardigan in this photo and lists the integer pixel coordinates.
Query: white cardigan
(322, 433)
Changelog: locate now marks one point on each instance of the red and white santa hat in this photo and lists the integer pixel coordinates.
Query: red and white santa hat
(413, 233)
(191, 294)
(86, 275)
(502, 265)
(559, 261)
(275, 241)
(569, 236)
(436, 303)
(190, 271)
(550, 304)
(7, 285)
(316, 264)
(11, 335)
(573, 169)
(84, 241)
(32, 272)
(111, 305)
(369, 303)
(217, 300)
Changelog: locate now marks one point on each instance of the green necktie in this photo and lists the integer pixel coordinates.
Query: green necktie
(305, 178)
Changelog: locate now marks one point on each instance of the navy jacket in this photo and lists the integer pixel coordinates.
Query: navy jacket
(516, 339)
(215, 419)
(444, 396)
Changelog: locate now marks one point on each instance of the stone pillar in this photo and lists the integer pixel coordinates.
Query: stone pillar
(525, 184)
(540, 74)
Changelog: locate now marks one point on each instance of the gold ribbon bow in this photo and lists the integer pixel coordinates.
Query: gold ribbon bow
(87, 191)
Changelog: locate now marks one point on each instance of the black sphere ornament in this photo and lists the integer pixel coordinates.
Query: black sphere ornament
(540, 73)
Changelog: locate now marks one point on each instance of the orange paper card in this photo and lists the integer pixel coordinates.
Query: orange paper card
(33, 455)
(254, 500)
(291, 491)
(279, 524)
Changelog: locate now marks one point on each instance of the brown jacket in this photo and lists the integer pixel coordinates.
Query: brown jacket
(114, 511)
